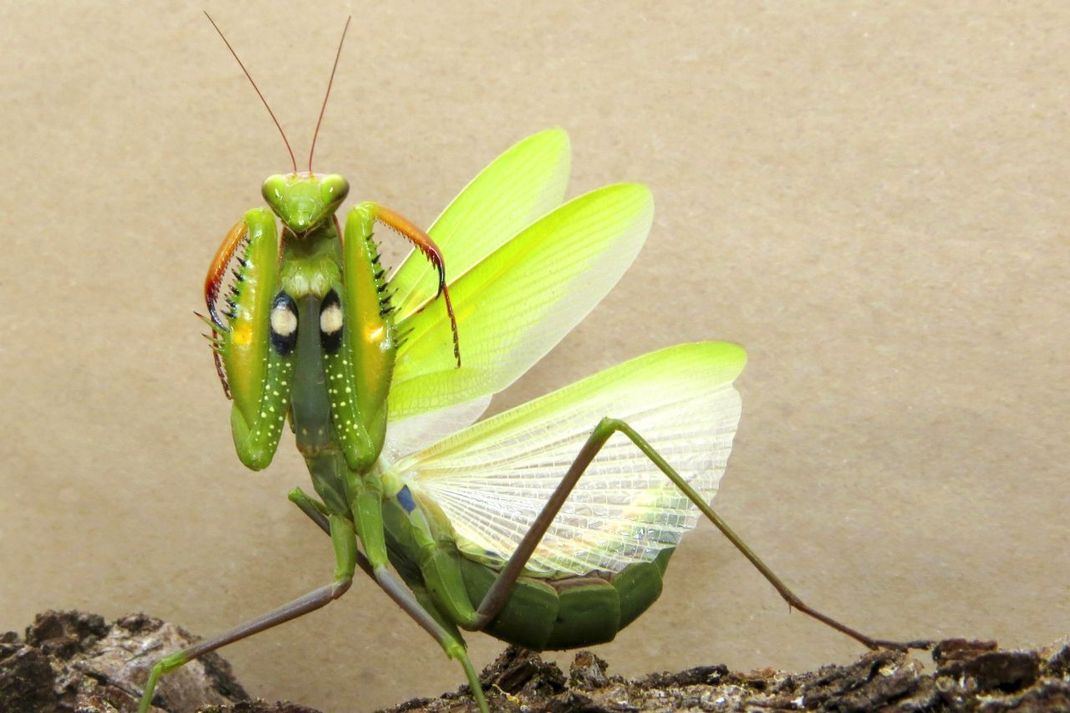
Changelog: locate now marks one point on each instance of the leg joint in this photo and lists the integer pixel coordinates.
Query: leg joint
(607, 426)
(340, 587)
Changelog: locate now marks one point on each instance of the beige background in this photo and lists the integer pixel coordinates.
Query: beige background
(872, 200)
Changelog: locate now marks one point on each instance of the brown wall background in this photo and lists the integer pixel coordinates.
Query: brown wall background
(873, 200)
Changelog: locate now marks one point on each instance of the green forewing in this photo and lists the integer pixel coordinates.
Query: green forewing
(522, 184)
(520, 300)
(491, 479)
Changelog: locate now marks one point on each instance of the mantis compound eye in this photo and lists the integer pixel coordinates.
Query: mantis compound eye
(333, 188)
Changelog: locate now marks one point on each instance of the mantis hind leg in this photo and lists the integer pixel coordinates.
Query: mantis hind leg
(499, 592)
(345, 547)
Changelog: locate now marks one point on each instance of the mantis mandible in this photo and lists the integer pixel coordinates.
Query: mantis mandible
(537, 526)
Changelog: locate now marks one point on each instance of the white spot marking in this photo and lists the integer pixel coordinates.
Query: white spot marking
(283, 321)
(331, 319)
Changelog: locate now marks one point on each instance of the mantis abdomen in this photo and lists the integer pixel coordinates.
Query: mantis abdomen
(541, 613)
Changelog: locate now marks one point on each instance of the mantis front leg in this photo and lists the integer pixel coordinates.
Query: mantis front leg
(361, 222)
(346, 557)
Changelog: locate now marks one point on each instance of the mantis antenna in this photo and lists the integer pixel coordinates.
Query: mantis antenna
(258, 92)
(330, 82)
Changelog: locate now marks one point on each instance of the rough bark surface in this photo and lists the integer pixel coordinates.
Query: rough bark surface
(72, 662)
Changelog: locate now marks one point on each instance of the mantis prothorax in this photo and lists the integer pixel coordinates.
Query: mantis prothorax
(549, 525)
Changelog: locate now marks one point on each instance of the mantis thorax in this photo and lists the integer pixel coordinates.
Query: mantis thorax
(311, 263)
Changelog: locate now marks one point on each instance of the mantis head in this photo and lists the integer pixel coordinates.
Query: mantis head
(304, 200)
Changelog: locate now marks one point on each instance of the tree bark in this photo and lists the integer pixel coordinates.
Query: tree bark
(73, 662)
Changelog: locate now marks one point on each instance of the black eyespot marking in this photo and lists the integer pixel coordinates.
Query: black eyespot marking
(331, 323)
(283, 324)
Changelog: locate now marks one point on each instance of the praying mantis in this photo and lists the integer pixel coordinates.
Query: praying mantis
(549, 525)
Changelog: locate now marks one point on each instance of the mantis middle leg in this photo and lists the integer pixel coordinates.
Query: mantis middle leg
(418, 604)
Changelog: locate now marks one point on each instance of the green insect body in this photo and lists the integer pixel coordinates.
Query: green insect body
(309, 332)
(332, 377)
(489, 525)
